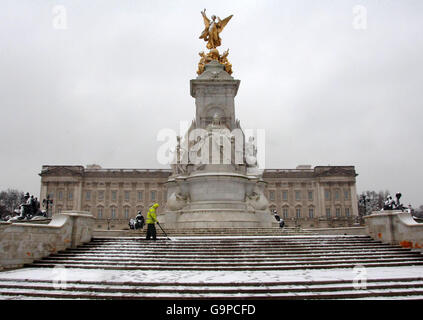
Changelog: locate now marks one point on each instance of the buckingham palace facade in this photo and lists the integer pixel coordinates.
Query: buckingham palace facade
(319, 197)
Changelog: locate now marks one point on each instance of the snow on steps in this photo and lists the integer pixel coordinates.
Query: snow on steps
(273, 231)
(224, 254)
(335, 289)
(242, 254)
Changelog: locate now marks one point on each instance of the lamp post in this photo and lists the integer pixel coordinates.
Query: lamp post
(46, 203)
(398, 196)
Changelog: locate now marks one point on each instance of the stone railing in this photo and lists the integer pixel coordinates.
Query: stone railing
(22, 243)
(395, 227)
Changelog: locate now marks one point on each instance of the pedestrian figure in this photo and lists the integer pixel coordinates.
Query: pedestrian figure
(277, 217)
(151, 220)
(139, 221)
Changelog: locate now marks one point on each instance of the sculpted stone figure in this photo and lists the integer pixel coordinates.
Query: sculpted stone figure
(257, 200)
(212, 30)
(390, 204)
(220, 140)
(203, 61)
(224, 60)
(251, 153)
(176, 201)
(180, 160)
(29, 209)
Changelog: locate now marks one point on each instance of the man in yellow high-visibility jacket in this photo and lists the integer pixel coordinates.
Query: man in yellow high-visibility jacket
(151, 220)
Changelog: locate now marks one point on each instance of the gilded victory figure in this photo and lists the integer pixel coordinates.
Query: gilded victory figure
(212, 30)
(210, 34)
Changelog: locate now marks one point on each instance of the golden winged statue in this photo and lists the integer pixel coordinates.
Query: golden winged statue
(212, 30)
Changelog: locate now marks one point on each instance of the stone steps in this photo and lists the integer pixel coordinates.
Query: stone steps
(241, 259)
(335, 289)
(225, 254)
(234, 254)
(251, 267)
(273, 231)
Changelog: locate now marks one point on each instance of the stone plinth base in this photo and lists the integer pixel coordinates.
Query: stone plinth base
(218, 198)
(218, 218)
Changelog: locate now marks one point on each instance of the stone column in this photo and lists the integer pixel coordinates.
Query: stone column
(321, 199)
(78, 196)
(133, 199)
(43, 191)
(354, 204)
(146, 195)
(107, 202)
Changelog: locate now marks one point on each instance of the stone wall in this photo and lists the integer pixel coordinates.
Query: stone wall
(22, 243)
(395, 227)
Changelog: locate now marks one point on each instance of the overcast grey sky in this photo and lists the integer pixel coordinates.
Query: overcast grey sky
(324, 91)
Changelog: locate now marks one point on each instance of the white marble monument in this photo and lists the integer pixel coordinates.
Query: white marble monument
(216, 182)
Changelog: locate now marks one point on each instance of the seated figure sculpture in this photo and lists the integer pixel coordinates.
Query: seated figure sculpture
(29, 209)
(390, 204)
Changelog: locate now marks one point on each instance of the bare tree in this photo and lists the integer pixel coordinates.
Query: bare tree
(11, 199)
(369, 201)
(418, 212)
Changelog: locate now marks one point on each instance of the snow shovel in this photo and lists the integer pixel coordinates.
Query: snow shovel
(163, 231)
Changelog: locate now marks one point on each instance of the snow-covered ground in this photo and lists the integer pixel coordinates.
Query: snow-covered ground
(100, 275)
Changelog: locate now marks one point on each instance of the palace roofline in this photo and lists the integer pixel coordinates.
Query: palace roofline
(317, 171)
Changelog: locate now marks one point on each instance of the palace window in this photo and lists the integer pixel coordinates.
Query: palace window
(153, 195)
(60, 195)
(298, 213)
(285, 195)
(327, 194)
(285, 213)
(336, 195)
(114, 195)
(139, 195)
(298, 195)
(70, 195)
(113, 212)
(328, 212)
(100, 213)
(272, 195)
(126, 195)
(126, 212)
(100, 195)
(88, 195)
(346, 194)
(311, 212)
(310, 195)
(347, 212)
(338, 212)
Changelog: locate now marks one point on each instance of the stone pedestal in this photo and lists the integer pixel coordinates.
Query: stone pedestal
(216, 190)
